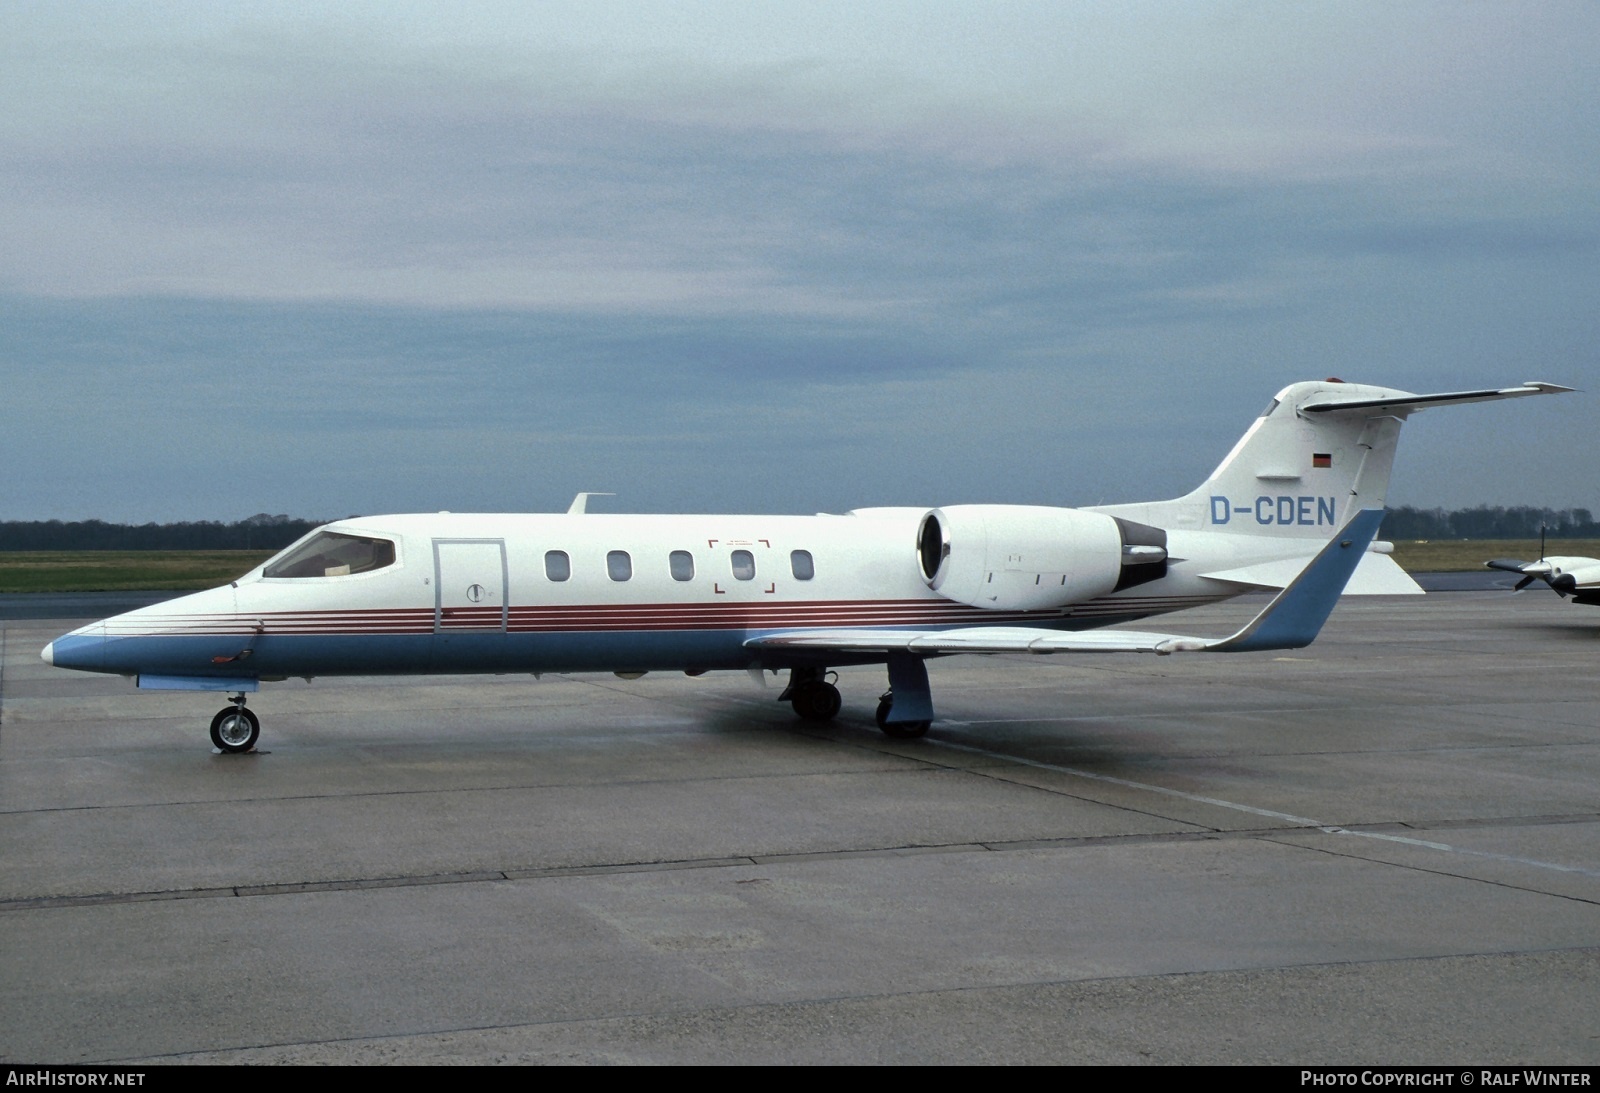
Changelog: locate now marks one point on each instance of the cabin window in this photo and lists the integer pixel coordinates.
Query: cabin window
(332, 554)
(681, 562)
(801, 566)
(557, 566)
(744, 565)
(619, 567)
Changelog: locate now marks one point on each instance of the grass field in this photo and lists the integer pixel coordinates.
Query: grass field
(1457, 555)
(123, 570)
(181, 570)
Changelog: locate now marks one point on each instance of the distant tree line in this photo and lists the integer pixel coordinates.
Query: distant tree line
(1486, 522)
(265, 532)
(259, 532)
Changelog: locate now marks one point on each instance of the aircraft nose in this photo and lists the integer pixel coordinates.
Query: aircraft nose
(83, 649)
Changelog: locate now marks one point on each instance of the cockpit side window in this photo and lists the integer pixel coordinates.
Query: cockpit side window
(333, 554)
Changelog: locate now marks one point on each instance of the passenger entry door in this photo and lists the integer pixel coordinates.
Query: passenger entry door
(469, 578)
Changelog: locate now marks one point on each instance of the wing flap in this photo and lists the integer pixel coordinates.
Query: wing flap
(982, 639)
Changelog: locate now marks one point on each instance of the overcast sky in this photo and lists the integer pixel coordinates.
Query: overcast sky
(331, 259)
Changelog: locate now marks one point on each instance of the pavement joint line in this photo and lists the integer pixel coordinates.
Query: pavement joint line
(480, 876)
(1489, 854)
(519, 787)
(1439, 871)
(1315, 753)
(1298, 821)
(1242, 971)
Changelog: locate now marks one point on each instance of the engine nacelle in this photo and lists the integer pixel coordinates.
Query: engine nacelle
(1032, 558)
(1576, 577)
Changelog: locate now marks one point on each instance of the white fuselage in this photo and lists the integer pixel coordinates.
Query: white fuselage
(482, 593)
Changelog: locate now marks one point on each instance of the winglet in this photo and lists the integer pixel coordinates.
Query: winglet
(1295, 616)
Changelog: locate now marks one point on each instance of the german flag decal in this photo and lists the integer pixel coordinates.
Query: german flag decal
(1321, 459)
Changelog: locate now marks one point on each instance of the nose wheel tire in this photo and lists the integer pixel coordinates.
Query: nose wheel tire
(235, 729)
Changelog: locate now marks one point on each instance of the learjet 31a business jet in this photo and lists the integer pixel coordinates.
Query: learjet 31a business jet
(1293, 507)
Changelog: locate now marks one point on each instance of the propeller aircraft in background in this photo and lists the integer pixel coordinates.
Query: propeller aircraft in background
(1567, 575)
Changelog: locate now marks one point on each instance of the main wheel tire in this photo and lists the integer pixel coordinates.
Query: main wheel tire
(235, 729)
(816, 701)
(900, 730)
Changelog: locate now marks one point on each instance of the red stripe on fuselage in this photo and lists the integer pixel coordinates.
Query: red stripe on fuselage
(831, 614)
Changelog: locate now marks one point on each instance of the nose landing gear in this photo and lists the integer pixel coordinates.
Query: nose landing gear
(235, 729)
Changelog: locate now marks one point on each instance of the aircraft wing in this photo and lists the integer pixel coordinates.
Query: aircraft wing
(1292, 620)
(981, 639)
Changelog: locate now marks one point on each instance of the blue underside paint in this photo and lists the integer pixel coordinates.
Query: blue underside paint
(84, 652)
(195, 683)
(908, 680)
(217, 657)
(229, 658)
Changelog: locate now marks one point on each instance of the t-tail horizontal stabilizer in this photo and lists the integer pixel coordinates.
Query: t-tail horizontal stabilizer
(1405, 404)
(1292, 620)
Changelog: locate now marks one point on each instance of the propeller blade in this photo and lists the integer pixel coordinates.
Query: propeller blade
(1524, 583)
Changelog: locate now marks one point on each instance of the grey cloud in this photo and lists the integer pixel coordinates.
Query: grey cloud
(359, 276)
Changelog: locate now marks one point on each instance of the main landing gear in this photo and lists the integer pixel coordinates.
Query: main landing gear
(904, 712)
(900, 730)
(235, 729)
(812, 694)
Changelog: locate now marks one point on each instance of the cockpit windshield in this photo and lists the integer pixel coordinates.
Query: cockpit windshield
(332, 554)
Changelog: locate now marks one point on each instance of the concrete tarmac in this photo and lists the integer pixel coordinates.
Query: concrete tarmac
(1381, 849)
